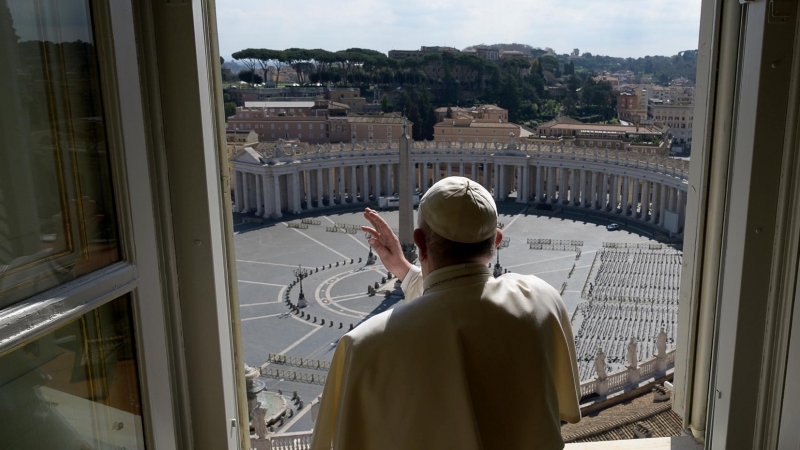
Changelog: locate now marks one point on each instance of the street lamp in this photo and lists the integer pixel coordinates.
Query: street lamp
(498, 269)
(371, 256)
(299, 273)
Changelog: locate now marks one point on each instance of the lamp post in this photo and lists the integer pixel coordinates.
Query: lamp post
(370, 256)
(299, 273)
(498, 269)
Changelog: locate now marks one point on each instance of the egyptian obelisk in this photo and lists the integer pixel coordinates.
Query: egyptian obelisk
(406, 197)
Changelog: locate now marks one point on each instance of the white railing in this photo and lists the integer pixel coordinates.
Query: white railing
(300, 440)
(647, 368)
(620, 380)
(588, 387)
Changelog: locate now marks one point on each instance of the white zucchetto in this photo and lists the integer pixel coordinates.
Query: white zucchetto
(460, 210)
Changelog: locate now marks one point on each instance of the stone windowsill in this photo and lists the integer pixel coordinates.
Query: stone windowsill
(667, 443)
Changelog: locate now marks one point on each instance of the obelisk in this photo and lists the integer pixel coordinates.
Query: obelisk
(406, 197)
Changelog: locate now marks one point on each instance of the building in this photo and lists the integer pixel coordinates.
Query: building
(646, 139)
(303, 122)
(403, 54)
(628, 106)
(678, 117)
(348, 96)
(471, 130)
(488, 112)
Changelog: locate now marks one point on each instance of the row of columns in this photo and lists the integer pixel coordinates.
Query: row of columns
(269, 195)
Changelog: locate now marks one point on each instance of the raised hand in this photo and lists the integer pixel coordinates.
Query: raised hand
(386, 244)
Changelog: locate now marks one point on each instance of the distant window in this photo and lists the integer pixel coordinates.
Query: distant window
(291, 109)
(299, 126)
(272, 126)
(322, 126)
(247, 116)
(311, 135)
(311, 126)
(299, 135)
(272, 135)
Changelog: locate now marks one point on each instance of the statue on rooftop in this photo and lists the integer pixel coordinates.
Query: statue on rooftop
(600, 364)
(633, 359)
(661, 344)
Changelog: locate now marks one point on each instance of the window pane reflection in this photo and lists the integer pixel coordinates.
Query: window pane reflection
(75, 388)
(57, 217)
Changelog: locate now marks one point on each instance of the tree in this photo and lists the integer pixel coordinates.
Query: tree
(230, 109)
(509, 96)
(386, 104)
(449, 114)
(249, 57)
(249, 76)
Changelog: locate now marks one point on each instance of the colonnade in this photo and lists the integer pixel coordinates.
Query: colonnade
(648, 193)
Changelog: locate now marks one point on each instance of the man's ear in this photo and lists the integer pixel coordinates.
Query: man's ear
(419, 239)
(498, 238)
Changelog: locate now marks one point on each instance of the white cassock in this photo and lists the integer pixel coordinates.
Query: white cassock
(473, 363)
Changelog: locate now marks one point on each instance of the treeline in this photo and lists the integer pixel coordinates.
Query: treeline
(533, 90)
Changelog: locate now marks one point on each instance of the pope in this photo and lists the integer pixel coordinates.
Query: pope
(469, 361)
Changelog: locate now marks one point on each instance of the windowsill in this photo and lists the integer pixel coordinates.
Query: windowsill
(667, 443)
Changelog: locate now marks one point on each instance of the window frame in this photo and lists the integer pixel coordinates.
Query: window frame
(138, 272)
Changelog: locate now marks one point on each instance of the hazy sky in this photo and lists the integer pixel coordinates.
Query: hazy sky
(609, 27)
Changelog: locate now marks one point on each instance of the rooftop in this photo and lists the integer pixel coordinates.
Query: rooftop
(283, 104)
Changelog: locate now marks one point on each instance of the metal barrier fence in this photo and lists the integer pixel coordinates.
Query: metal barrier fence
(298, 362)
(291, 375)
(555, 242)
(643, 245)
(568, 248)
(335, 229)
(311, 222)
(347, 226)
(301, 226)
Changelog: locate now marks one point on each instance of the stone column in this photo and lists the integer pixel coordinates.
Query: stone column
(406, 200)
(377, 181)
(449, 169)
(461, 169)
(296, 196)
(353, 185)
(319, 188)
(388, 180)
(635, 202)
(365, 182)
(423, 175)
(502, 183)
(584, 200)
(563, 186)
(551, 184)
(539, 183)
(276, 179)
(662, 204)
(307, 183)
(341, 180)
(435, 172)
(474, 174)
(495, 180)
(613, 200)
(520, 184)
(237, 191)
(266, 194)
(654, 207)
(248, 194)
(259, 193)
(645, 199)
(331, 186)
(626, 195)
(593, 191)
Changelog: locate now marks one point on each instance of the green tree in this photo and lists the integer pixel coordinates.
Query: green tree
(386, 104)
(509, 96)
(230, 109)
(249, 76)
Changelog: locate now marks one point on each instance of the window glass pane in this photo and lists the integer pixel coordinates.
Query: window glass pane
(75, 388)
(57, 218)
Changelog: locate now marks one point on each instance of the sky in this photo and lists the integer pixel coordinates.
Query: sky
(623, 28)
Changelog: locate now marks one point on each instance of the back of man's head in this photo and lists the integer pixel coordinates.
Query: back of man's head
(459, 220)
